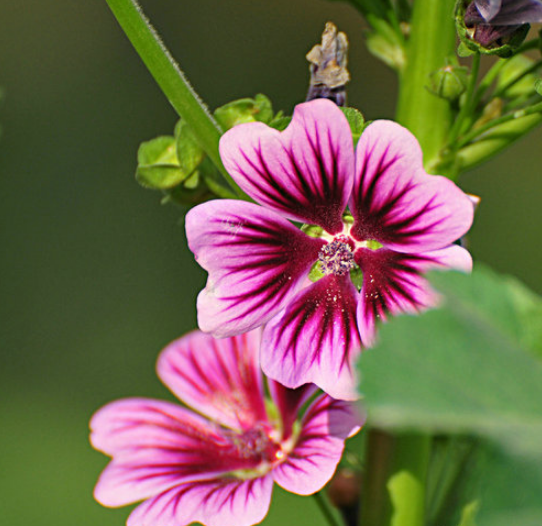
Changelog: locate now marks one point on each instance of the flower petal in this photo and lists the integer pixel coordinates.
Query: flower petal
(219, 502)
(219, 378)
(289, 402)
(488, 8)
(319, 448)
(156, 445)
(393, 283)
(395, 202)
(316, 339)
(305, 172)
(256, 262)
(511, 12)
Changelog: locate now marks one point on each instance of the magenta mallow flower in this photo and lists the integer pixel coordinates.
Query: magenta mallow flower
(320, 287)
(216, 467)
(495, 19)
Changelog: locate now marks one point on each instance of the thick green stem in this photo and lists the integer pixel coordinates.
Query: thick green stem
(407, 481)
(171, 79)
(432, 41)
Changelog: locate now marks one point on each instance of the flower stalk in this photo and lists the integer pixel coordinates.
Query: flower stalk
(171, 80)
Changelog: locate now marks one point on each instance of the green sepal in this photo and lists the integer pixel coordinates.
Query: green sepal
(280, 122)
(157, 164)
(189, 153)
(449, 82)
(505, 49)
(244, 110)
(356, 121)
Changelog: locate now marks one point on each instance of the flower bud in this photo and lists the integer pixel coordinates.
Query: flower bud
(495, 36)
(449, 82)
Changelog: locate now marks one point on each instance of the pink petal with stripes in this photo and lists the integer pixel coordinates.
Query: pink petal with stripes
(395, 202)
(219, 378)
(393, 283)
(320, 445)
(256, 262)
(315, 339)
(305, 172)
(157, 445)
(218, 502)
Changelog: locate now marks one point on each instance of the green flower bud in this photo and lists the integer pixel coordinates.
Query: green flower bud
(244, 110)
(449, 82)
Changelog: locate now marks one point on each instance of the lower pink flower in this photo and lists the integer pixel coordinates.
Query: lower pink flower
(217, 467)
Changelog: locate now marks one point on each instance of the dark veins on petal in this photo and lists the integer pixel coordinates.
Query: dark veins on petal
(283, 256)
(372, 222)
(386, 278)
(319, 206)
(327, 304)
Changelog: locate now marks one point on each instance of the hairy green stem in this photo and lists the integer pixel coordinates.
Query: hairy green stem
(171, 80)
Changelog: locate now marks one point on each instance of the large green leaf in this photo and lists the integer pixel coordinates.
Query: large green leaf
(466, 367)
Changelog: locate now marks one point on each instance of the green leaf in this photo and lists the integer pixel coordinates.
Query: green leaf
(461, 368)
(356, 121)
(244, 110)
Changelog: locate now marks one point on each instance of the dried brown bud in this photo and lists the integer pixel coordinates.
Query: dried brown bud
(328, 66)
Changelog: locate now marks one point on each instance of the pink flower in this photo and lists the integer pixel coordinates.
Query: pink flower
(216, 467)
(367, 261)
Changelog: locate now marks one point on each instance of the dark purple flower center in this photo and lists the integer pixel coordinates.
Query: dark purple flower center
(337, 257)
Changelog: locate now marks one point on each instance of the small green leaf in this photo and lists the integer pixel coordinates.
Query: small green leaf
(538, 86)
(356, 121)
(244, 110)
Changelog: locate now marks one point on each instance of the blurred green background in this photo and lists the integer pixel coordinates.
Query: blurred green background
(95, 275)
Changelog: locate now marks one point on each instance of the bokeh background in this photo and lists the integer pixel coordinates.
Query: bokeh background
(95, 275)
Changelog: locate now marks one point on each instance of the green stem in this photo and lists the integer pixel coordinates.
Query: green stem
(171, 80)
(407, 481)
(324, 508)
(501, 91)
(535, 108)
(432, 41)
(468, 106)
